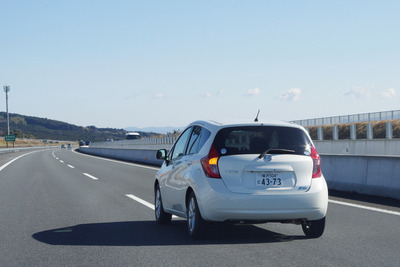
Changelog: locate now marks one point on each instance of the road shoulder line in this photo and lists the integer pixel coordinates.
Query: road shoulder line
(11, 161)
(365, 207)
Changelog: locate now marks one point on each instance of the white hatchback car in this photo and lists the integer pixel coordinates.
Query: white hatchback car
(251, 172)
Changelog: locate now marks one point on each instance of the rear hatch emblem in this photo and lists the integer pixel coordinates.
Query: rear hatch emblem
(267, 158)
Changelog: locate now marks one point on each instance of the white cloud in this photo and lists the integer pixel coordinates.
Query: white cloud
(255, 91)
(358, 93)
(159, 95)
(292, 95)
(208, 94)
(389, 93)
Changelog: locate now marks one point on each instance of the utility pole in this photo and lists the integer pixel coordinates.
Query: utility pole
(7, 89)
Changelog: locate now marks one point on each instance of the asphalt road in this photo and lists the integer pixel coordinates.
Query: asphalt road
(62, 208)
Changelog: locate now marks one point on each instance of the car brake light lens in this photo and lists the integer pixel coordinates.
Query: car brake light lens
(210, 164)
(316, 163)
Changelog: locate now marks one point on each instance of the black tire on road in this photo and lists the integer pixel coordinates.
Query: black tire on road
(314, 229)
(195, 224)
(162, 217)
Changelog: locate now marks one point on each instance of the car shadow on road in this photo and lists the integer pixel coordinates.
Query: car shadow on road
(148, 233)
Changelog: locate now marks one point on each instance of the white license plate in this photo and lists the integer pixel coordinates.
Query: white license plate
(269, 179)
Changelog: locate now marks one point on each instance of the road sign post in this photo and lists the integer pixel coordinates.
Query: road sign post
(7, 90)
(10, 138)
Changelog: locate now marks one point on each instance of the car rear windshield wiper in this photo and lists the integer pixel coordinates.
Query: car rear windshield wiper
(276, 151)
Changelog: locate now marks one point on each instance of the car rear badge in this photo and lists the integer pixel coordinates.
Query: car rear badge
(223, 151)
(267, 158)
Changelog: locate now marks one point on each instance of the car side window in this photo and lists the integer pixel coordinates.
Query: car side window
(180, 145)
(197, 139)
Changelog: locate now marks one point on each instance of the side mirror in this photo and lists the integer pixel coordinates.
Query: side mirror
(162, 154)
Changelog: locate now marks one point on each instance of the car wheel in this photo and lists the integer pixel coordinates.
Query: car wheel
(162, 217)
(195, 223)
(314, 229)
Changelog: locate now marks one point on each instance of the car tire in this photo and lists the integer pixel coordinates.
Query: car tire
(195, 224)
(314, 229)
(162, 217)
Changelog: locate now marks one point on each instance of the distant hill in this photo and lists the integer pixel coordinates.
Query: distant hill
(160, 130)
(39, 128)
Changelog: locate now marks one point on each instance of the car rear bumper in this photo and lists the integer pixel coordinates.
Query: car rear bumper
(216, 203)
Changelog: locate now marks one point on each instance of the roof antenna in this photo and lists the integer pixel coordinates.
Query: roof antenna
(256, 119)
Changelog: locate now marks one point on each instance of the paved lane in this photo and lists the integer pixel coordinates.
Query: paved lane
(58, 207)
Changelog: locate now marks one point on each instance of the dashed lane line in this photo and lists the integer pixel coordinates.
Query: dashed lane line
(141, 201)
(73, 167)
(90, 176)
(145, 203)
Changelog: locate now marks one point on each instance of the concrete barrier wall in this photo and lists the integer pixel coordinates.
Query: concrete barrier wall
(145, 144)
(147, 156)
(371, 175)
(381, 147)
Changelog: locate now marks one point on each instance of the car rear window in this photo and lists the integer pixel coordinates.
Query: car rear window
(259, 139)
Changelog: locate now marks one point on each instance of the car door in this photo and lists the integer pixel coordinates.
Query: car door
(173, 182)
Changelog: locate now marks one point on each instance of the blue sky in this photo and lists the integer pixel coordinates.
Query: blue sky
(167, 63)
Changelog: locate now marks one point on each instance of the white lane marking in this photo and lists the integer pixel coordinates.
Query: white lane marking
(144, 202)
(72, 167)
(117, 161)
(365, 207)
(141, 201)
(11, 161)
(61, 161)
(90, 176)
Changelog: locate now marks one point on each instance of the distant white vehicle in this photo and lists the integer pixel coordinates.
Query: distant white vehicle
(132, 136)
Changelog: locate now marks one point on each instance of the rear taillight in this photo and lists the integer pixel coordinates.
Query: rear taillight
(316, 163)
(210, 164)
